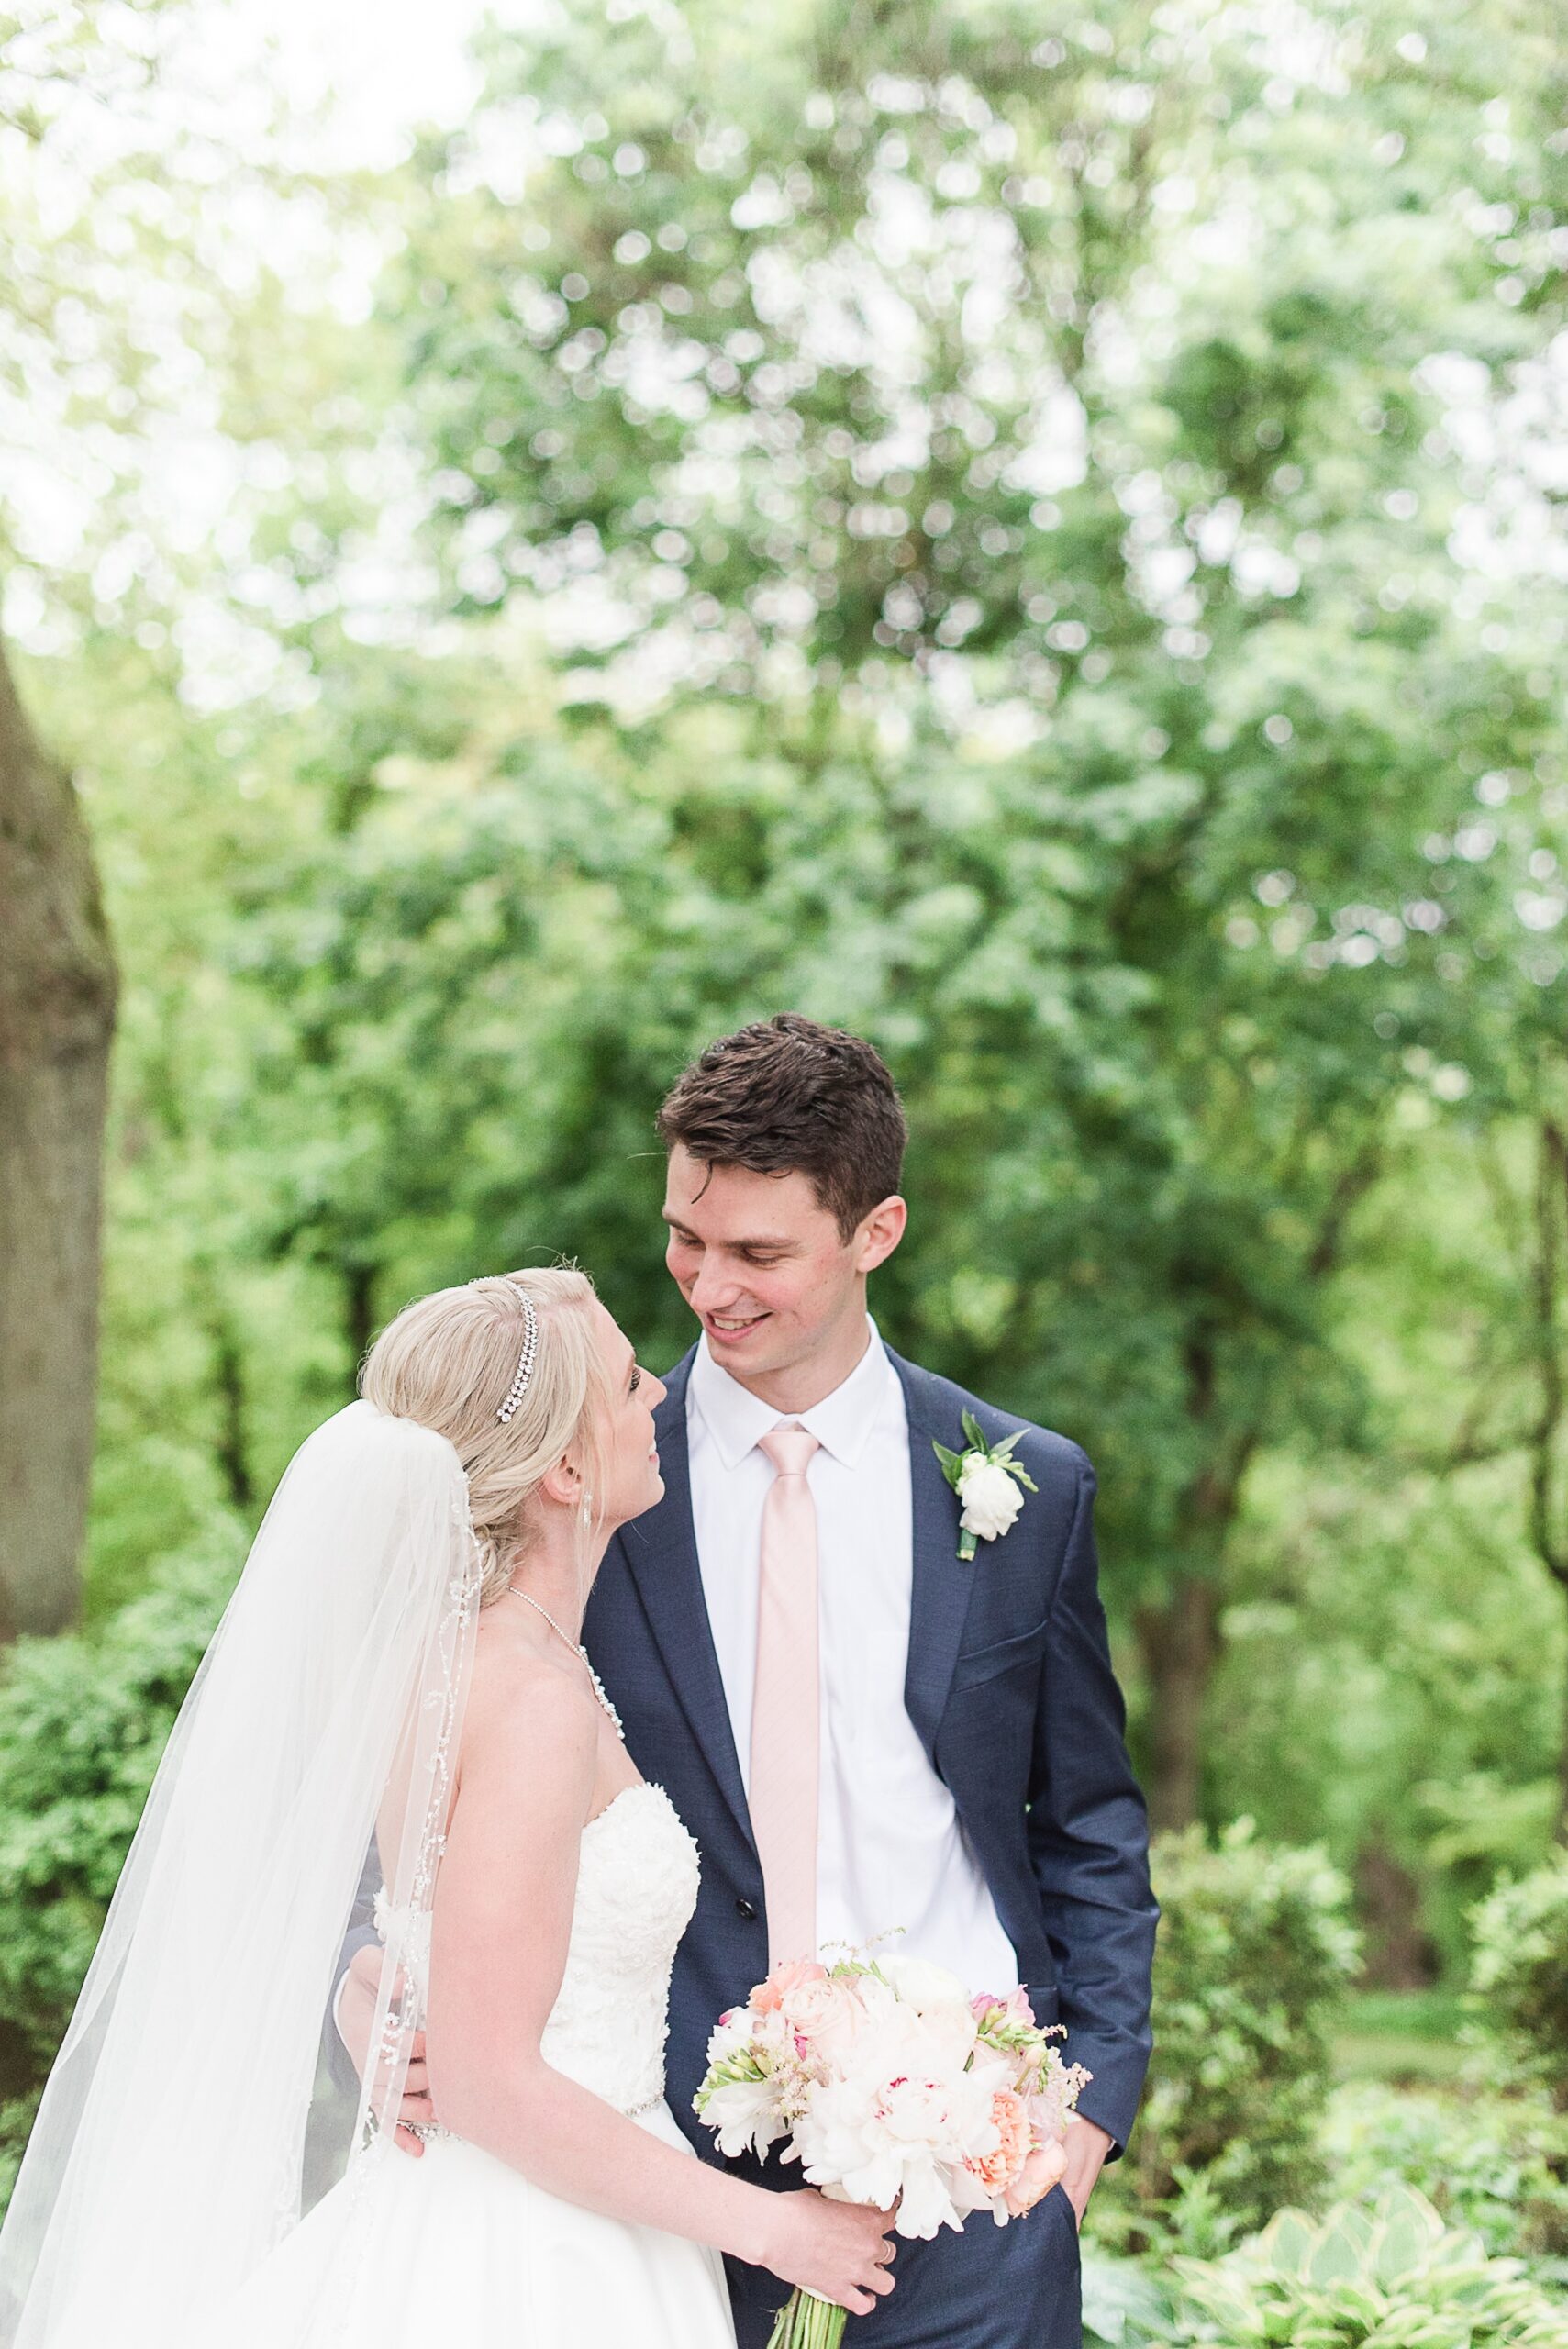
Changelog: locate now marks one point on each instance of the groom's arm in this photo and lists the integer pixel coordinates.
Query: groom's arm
(1088, 1836)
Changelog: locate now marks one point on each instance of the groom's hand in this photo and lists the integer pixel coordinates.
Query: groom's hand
(356, 2018)
(1087, 2145)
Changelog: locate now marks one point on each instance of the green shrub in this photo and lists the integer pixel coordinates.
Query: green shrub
(15, 2119)
(1124, 2305)
(83, 1719)
(1255, 1948)
(1392, 2273)
(1388, 2277)
(1520, 1974)
(1495, 2164)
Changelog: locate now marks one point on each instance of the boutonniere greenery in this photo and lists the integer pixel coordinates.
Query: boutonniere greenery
(983, 1478)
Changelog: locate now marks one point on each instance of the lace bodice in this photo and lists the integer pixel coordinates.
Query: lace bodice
(636, 1886)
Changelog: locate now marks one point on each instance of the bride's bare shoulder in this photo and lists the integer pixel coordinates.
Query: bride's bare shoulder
(526, 1708)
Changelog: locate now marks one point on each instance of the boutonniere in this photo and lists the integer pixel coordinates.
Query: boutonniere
(983, 1477)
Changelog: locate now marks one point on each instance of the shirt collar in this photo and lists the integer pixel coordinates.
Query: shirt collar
(737, 1420)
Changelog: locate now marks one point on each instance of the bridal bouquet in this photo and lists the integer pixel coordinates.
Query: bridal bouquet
(891, 2086)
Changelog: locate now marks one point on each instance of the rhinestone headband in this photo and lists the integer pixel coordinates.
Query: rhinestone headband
(519, 1385)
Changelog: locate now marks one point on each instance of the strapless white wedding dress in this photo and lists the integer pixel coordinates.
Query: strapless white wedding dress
(456, 2250)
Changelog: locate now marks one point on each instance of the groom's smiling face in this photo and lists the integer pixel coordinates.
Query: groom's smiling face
(764, 1265)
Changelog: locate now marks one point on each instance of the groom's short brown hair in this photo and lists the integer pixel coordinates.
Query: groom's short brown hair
(789, 1097)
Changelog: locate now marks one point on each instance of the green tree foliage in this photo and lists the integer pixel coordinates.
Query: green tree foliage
(1028, 536)
(1381, 1600)
(1049, 437)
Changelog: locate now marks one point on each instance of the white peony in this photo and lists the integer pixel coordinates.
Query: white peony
(991, 1499)
(939, 1999)
(923, 1986)
(898, 2126)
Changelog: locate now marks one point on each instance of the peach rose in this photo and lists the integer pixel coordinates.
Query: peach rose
(768, 1996)
(824, 2016)
(1000, 2170)
(1044, 2166)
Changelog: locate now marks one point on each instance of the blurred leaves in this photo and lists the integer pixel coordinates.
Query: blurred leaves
(1039, 539)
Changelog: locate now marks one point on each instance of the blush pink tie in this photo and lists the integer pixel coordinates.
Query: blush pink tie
(783, 1793)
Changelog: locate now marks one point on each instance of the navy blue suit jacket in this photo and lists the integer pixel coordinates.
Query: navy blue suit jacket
(1009, 1686)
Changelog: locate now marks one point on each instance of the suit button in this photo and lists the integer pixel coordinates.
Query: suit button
(744, 1908)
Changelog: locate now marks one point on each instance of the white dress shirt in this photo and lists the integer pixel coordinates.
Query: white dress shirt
(891, 1851)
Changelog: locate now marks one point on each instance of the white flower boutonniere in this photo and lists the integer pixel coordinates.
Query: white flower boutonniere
(983, 1477)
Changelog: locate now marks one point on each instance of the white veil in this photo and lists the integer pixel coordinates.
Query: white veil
(166, 2159)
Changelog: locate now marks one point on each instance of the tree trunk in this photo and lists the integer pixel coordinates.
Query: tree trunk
(1548, 1507)
(57, 1016)
(1178, 1639)
(1400, 1954)
(233, 1451)
(1178, 1643)
(1560, 1833)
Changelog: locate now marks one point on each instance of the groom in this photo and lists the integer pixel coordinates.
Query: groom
(864, 1731)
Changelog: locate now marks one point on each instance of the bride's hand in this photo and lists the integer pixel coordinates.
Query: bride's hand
(840, 2250)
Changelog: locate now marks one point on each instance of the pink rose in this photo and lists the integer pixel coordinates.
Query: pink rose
(824, 2015)
(1003, 2169)
(1045, 2163)
(1014, 2007)
(768, 1996)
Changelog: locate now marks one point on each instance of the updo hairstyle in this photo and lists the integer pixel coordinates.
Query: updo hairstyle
(447, 1362)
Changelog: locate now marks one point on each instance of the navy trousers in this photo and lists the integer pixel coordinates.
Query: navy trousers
(990, 2287)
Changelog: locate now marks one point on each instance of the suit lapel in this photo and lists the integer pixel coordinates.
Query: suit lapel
(943, 1583)
(661, 1552)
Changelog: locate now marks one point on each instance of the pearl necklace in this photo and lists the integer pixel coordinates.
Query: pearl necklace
(578, 1650)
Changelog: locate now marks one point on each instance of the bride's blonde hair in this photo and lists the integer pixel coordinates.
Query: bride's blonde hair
(449, 1360)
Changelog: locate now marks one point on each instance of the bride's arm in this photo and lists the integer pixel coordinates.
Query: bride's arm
(503, 1920)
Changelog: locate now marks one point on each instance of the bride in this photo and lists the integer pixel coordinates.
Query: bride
(400, 1660)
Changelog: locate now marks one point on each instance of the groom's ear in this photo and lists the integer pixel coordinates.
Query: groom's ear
(879, 1233)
